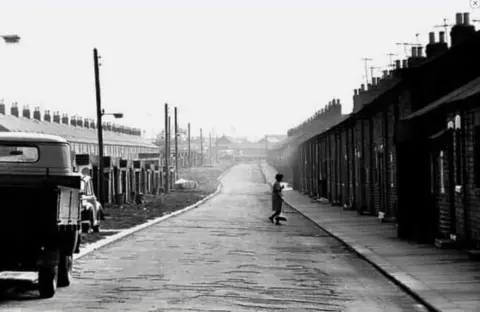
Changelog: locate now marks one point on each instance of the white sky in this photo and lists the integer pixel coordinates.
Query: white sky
(255, 67)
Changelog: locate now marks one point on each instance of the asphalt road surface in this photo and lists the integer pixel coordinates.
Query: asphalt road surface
(223, 256)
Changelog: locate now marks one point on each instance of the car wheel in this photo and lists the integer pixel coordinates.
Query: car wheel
(47, 281)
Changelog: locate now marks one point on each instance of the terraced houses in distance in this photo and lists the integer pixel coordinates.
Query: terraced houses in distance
(133, 164)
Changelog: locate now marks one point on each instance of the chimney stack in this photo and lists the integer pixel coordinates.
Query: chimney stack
(404, 63)
(431, 37)
(36, 114)
(14, 109)
(86, 123)
(2, 107)
(65, 119)
(462, 30)
(79, 122)
(26, 112)
(56, 117)
(92, 124)
(362, 87)
(46, 116)
(436, 48)
(73, 121)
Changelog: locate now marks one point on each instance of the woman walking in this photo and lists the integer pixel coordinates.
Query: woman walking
(277, 198)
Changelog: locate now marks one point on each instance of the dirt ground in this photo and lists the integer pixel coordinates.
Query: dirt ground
(120, 217)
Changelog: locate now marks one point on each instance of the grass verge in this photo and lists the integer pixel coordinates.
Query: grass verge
(120, 217)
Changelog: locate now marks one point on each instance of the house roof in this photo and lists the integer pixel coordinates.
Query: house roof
(312, 131)
(465, 92)
(70, 133)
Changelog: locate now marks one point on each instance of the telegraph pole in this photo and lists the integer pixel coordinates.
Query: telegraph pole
(216, 144)
(166, 148)
(189, 152)
(266, 147)
(176, 142)
(210, 148)
(101, 177)
(201, 147)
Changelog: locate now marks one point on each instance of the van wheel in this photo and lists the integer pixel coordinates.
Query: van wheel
(64, 271)
(47, 281)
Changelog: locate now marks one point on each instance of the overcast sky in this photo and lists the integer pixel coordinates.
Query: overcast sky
(244, 68)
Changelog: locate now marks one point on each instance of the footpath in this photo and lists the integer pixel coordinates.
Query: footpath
(441, 279)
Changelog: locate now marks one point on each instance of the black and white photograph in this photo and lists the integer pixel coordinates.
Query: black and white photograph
(240, 155)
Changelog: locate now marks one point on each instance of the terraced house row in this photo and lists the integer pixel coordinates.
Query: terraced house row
(133, 164)
(410, 151)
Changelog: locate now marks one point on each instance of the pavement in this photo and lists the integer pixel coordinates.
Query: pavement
(443, 280)
(225, 255)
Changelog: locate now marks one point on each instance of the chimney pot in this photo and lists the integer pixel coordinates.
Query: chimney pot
(442, 37)
(466, 19)
(404, 63)
(397, 64)
(420, 51)
(355, 92)
(414, 51)
(362, 87)
(458, 18)
(2, 107)
(431, 37)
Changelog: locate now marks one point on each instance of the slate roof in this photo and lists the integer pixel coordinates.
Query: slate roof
(464, 92)
(70, 133)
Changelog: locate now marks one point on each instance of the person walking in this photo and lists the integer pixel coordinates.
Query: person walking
(277, 199)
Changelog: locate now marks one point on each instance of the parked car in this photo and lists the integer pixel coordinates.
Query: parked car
(91, 210)
(40, 200)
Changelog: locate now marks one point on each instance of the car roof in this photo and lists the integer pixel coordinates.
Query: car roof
(31, 137)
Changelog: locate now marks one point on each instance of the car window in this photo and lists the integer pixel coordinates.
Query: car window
(18, 154)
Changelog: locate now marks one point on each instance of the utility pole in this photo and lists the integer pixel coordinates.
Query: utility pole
(176, 142)
(201, 147)
(166, 148)
(266, 147)
(101, 175)
(189, 152)
(210, 148)
(216, 145)
(365, 60)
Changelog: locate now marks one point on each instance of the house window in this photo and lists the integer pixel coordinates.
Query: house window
(477, 155)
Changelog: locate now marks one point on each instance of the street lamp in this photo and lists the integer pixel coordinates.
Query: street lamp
(100, 114)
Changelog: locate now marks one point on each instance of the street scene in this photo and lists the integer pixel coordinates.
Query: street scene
(227, 155)
(225, 255)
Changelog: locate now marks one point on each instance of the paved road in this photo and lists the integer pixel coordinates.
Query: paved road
(224, 256)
